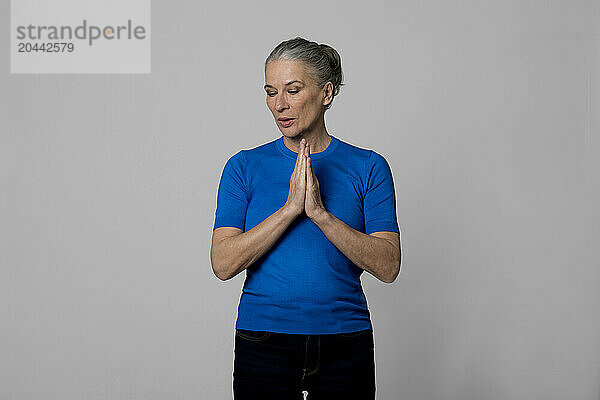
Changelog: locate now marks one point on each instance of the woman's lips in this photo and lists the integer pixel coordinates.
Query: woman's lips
(286, 123)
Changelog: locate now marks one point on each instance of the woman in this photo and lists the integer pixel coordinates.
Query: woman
(304, 215)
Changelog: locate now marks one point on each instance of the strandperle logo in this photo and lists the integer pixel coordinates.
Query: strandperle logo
(80, 36)
(84, 31)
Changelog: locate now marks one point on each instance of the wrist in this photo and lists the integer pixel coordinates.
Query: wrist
(290, 210)
(320, 216)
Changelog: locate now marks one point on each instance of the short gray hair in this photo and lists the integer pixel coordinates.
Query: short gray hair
(323, 61)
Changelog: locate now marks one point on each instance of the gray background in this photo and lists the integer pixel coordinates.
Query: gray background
(486, 111)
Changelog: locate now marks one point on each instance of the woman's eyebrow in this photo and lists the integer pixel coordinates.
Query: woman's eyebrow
(289, 83)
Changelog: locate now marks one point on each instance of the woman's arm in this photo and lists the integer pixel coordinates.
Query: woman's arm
(377, 253)
(234, 250)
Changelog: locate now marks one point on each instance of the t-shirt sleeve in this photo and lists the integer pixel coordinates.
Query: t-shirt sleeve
(232, 198)
(380, 196)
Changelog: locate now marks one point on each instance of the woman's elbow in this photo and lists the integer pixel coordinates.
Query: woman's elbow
(218, 266)
(394, 270)
(225, 268)
(219, 273)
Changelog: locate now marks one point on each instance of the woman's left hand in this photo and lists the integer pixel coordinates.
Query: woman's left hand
(313, 206)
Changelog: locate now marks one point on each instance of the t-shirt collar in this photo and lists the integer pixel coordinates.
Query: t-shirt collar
(328, 150)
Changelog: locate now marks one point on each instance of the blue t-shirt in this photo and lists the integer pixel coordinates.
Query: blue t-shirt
(303, 284)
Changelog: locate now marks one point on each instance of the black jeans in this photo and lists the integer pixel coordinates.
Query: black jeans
(281, 366)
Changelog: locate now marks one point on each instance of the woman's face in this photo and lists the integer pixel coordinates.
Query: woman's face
(295, 100)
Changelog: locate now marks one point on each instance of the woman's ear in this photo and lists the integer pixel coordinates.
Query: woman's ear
(327, 93)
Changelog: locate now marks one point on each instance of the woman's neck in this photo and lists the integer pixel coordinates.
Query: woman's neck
(317, 139)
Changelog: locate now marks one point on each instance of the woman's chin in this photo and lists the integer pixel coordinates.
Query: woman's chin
(289, 134)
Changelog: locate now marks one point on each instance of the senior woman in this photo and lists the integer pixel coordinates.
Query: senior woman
(304, 215)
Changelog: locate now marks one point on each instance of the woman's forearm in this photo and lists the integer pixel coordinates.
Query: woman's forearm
(375, 255)
(236, 253)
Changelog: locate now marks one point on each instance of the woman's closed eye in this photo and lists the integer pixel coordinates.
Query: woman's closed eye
(289, 91)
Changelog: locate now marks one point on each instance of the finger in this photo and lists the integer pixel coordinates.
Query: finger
(299, 157)
(309, 172)
(303, 167)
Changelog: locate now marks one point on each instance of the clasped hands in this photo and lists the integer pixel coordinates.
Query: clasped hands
(305, 195)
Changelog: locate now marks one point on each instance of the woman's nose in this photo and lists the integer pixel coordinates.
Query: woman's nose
(280, 103)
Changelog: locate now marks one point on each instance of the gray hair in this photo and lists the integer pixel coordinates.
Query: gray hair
(323, 61)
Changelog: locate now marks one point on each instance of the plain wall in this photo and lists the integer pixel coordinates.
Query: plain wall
(487, 112)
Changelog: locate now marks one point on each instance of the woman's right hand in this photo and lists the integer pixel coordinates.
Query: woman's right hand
(295, 200)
